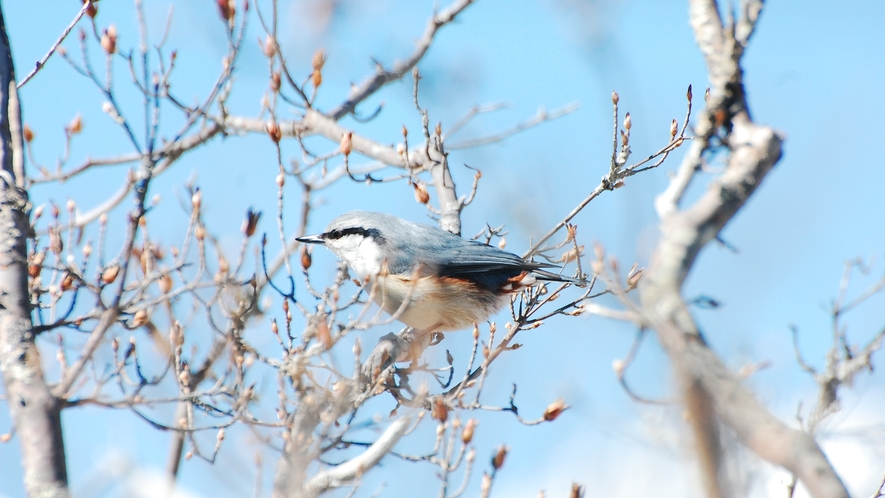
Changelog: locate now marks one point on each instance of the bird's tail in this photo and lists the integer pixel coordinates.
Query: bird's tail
(556, 277)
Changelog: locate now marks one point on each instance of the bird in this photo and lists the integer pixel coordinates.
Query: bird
(427, 278)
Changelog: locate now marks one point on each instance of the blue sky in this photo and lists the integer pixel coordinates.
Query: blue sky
(814, 71)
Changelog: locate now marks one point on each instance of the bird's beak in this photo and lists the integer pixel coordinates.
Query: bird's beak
(311, 239)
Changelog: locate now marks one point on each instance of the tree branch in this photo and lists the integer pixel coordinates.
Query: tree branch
(383, 77)
(34, 410)
(711, 389)
(357, 466)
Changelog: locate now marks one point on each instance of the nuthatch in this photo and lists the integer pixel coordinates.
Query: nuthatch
(450, 283)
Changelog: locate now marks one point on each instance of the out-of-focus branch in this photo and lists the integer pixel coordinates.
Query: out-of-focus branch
(35, 412)
(350, 470)
(712, 391)
(400, 69)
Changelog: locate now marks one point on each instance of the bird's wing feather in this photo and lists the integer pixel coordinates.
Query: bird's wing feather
(488, 265)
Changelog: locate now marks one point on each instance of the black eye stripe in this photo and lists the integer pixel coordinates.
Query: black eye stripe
(365, 232)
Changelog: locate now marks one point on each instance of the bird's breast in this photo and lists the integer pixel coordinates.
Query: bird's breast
(438, 303)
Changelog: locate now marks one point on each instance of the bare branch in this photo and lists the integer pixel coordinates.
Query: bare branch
(355, 467)
(400, 69)
(64, 34)
(711, 390)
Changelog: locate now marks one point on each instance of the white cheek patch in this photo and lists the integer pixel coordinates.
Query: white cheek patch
(362, 254)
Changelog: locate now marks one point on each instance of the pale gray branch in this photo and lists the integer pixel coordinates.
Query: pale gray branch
(355, 467)
(382, 76)
(712, 391)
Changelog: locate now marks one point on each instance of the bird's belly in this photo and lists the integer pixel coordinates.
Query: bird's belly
(440, 304)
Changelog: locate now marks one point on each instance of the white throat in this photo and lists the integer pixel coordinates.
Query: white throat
(362, 254)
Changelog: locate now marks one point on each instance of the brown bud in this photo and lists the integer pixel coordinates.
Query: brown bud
(346, 144)
(28, 133)
(76, 125)
(251, 222)
(316, 78)
(227, 9)
(91, 10)
(633, 279)
(421, 194)
(319, 59)
(55, 243)
(502, 243)
(628, 122)
(674, 126)
(270, 46)
(67, 281)
(165, 283)
(274, 131)
(554, 410)
(110, 274)
(467, 433)
(36, 265)
(275, 81)
(140, 318)
(405, 131)
(438, 129)
(109, 39)
(498, 459)
(439, 411)
(615, 98)
(200, 232)
(274, 327)
(306, 260)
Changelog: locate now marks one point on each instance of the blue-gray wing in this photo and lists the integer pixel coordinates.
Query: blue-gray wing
(488, 265)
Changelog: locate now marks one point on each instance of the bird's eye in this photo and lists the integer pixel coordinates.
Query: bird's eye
(337, 233)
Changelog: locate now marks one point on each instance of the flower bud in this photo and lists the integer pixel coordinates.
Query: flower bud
(421, 194)
(109, 40)
(346, 144)
(110, 274)
(270, 46)
(498, 459)
(467, 433)
(76, 125)
(165, 283)
(439, 411)
(274, 131)
(251, 222)
(306, 259)
(319, 59)
(554, 410)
